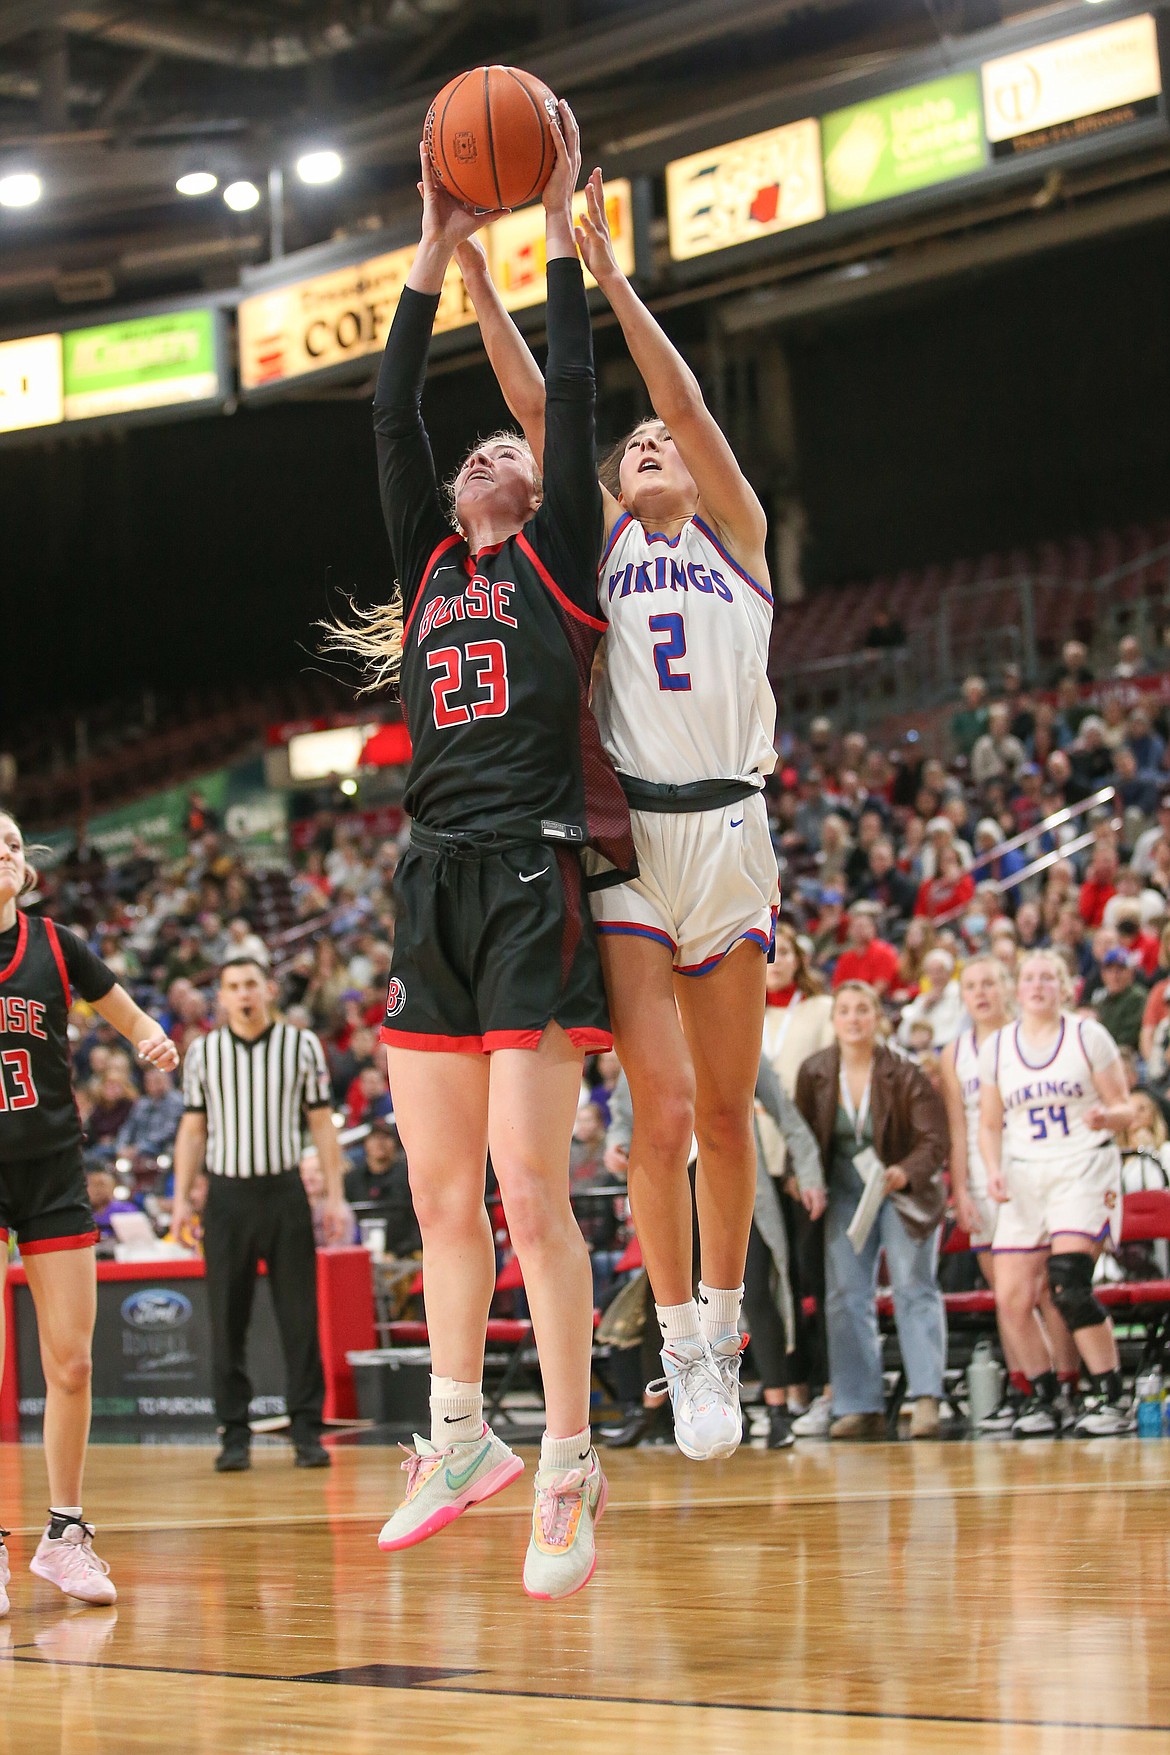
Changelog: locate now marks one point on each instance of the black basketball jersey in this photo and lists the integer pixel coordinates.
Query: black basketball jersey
(498, 647)
(38, 1114)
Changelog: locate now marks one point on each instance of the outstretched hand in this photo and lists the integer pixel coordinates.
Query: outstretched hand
(592, 232)
(558, 191)
(446, 222)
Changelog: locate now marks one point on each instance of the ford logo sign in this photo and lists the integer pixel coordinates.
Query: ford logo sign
(156, 1307)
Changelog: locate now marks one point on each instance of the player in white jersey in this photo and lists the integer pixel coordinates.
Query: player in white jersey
(1053, 1094)
(687, 714)
(985, 987)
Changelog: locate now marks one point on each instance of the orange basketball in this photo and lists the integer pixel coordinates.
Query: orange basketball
(489, 137)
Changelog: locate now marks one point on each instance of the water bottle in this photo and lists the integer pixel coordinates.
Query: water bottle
(1148, 1390)
(984, 1384)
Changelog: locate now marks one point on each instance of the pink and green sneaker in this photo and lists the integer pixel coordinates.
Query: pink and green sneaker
(561, 1555)
(442, 1483)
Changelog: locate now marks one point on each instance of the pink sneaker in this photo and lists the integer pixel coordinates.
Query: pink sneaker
(4, 1575)
(70, 1563)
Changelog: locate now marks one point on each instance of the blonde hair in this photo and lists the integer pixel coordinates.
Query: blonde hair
(863, 987)
(1054, 961)
(1156, 1123)
(1002, 973)
(372, 638)
(806, 979)
(372, 641)
(32, 876)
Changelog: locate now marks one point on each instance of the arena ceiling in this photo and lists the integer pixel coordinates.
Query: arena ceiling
(109, 103)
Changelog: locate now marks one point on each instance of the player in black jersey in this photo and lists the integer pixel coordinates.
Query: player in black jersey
(43, 1201)
(495, 990)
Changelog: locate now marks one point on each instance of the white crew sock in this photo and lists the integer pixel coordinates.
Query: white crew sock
(719, 1311)
(679, 1322)
(564, 1454)
(456, 1411)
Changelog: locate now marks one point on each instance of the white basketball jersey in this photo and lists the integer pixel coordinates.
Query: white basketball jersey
(1045, 1105)
(967, 1073)
(682, 693)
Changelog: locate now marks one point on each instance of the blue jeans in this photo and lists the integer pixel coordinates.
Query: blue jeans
(855, 1358)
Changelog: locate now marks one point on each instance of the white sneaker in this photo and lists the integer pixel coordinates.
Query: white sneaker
(816, 1419)
(1101, 1418)
(707, 1420)
(440, 1484)
(561, 1554)
(69, 1562)
(4, 1575)
(728, 1357)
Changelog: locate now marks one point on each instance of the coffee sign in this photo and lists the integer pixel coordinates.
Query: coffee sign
(334, 317)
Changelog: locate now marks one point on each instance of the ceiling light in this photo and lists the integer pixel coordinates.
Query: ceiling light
(319, 167)
(349, 787)
(241, 196)
(197, 183)
(20, 189)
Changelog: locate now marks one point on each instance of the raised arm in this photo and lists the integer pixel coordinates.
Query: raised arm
(726, 496)
(567, 528)
(509, 356)
(411, 504)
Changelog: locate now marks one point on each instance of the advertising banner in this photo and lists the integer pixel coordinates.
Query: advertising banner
(152, 1354)
(515, 245)
(255, 817)
(30, 383)
(746, 189)
(144, 362)
(1080, 85)
(903, 140)
(334, 317)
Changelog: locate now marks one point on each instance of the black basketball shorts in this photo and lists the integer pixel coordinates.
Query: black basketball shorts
(44, 1201)
(490, 947)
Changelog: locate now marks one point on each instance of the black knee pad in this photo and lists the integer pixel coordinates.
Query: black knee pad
(1071, 1280)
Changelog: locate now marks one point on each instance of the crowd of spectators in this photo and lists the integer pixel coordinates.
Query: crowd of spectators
(896, 865)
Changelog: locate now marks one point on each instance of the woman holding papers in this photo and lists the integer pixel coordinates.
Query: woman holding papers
(882, 1133)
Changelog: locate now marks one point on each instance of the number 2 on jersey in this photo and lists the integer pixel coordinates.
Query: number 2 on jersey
(17, 1090)
(673, 646)
(489, 662)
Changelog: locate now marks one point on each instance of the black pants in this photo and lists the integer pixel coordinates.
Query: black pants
(266, 1218)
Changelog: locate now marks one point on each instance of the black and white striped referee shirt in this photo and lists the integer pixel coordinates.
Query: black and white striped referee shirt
(254, 1095)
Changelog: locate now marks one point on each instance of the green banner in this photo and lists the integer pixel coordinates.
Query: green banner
(903, 140)
(145, 362)
(253, 817)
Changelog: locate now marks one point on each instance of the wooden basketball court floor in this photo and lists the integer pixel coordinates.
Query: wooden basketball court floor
(956, 1598)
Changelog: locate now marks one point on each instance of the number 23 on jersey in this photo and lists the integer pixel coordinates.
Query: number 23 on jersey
(480, 671)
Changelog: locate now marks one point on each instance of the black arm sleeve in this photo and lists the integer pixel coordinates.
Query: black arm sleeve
(411, 504)
(567, 531)
(88, 976)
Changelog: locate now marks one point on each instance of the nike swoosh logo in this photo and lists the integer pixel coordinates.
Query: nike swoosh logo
(533, 875)
(457, 1481)
(453, 1419)
(737, 823)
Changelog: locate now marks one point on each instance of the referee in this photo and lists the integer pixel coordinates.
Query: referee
(246, 1087)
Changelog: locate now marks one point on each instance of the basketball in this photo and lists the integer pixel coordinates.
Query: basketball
(490, 138)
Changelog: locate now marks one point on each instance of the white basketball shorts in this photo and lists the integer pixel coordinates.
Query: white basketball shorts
(1079, 1195)
(706, 880)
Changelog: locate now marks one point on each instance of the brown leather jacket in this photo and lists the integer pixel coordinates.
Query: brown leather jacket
(909, 1127)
